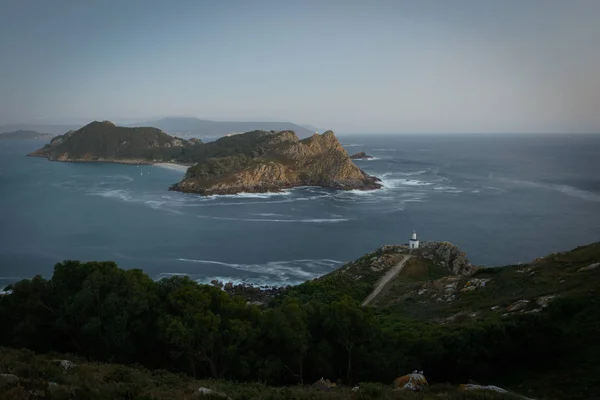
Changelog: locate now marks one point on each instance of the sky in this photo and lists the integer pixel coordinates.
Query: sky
(350, 66)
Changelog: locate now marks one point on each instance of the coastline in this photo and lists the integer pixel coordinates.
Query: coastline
(167, 165)
(172, 166)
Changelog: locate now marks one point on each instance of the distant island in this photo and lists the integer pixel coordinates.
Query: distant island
(24, 135)
(185, 127)
(196, 127)
(106, 142)
(361, 156)
(257, 161)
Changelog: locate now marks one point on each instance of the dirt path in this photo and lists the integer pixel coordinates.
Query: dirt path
(392, 273)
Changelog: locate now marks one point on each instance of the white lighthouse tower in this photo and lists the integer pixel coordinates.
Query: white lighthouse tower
(413, 242)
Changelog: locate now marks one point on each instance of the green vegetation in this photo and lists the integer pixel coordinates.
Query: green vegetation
(41, 378)
(102, 313)
(104, 141)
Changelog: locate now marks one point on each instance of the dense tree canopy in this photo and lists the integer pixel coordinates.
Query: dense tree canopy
(106, 313)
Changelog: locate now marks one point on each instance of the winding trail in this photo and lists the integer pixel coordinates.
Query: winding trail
(392, 273)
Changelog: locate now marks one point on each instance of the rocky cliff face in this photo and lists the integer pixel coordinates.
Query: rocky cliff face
(262, 161)
(447, 255)
(106, 142)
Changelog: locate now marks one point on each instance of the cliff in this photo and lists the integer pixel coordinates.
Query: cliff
(261, 161)
(106, 142)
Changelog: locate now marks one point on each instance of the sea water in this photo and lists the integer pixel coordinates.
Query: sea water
(503, 199)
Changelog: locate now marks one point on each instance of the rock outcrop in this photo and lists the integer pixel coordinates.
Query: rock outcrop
(106, 142)
(360, 156)
(415, 382)
(261, 161)
(447, 255)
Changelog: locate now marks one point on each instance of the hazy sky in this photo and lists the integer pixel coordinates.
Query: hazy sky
(352, 66)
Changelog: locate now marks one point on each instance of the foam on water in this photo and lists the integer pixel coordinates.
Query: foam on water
(305, 220)
(564, 189)
(245, 195)
(368, 159)
(274, 272)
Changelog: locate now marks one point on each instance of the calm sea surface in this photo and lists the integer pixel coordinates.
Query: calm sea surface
(503, 199)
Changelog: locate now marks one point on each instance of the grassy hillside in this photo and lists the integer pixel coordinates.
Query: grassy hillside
(25, 375)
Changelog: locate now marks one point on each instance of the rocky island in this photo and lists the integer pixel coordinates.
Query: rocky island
(106, 142)
(261, 161)
(256, 161)
(361, 156)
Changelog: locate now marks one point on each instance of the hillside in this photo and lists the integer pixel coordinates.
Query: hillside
(195, 127)
(106, 142)
(530, 328)
(261, 161)
(25, 375)
(438, 283)
(25, 135)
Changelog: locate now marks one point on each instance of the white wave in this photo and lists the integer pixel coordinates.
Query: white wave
(172, 167)
(368, 159)
(447, 189)
(412, 173)
(494, 188)
(564, 189)
(112, 193)
(308, 220)
(170, 274)
(385, 149)
(285, 192)
(396, 183)
(574, 192)
(357, 192)
(281, 269)
(235, 281)
(352, 145)
(269, 215)
(161, 205)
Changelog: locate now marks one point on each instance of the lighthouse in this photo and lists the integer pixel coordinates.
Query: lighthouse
(413, 243)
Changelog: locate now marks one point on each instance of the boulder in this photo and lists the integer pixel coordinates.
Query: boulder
(324, 384)
(517, 305)
(589, 267)
(64, 364)
(543, 301)
(415, 382)
(209, 392)
(489, 388)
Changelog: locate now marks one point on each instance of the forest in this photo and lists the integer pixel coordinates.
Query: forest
(104, 313)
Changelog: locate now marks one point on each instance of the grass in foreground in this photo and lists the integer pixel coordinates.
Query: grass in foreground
(40, 378)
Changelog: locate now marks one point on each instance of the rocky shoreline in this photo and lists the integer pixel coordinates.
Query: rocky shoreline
(257, 295)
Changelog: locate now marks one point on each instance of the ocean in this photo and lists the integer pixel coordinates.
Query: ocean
(503, 199)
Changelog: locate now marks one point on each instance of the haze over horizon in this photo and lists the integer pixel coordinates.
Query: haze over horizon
(351, 66)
